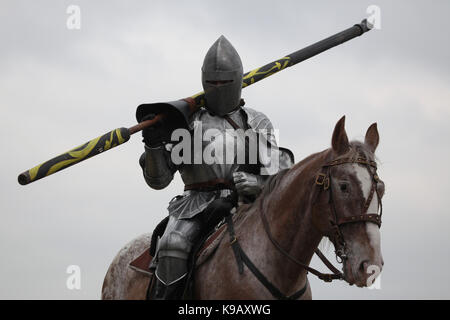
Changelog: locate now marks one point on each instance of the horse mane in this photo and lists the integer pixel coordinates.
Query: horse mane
(272, 182)
(357, 149)
(269, 185)
(274, 179)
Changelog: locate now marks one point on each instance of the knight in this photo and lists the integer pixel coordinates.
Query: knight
(211, 189)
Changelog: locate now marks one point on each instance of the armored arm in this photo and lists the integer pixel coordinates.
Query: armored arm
(250, 185)
(157, 167)
(155, 162)
(271, 158)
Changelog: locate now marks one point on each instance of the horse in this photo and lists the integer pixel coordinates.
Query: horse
(334, 194)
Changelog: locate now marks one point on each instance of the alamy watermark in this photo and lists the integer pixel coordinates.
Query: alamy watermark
(73, 21)
(232, 146)
(374, 280)
(73, 281)
(374, 17)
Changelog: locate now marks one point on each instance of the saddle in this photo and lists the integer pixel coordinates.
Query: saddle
(203, 250)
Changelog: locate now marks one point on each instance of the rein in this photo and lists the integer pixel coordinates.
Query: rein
(242, 258)
(322, 180)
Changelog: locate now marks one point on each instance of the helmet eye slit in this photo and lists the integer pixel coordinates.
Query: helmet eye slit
(218, 82)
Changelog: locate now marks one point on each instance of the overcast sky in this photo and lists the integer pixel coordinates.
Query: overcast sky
(60, 88)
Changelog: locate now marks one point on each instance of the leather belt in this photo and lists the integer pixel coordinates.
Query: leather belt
(212, 185)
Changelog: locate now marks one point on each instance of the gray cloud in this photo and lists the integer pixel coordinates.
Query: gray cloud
(60, 88)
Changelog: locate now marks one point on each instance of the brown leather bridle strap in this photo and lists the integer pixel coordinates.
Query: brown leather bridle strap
(324, 181)
(327, 277)
(372, 217)
(369, 198)
(242, 258)
(231, 122)
(351, 160)
(326, 261)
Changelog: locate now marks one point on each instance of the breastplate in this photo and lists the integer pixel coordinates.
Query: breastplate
(220, 151)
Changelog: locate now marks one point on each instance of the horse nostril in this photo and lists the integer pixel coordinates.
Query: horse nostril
(363, 266)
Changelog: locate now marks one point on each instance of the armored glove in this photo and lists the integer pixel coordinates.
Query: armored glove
(248, 184)
(155, 135)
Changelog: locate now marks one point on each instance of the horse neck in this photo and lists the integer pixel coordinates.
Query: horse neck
(288, 211)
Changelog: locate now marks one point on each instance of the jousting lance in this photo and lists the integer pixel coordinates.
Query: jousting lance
(178, 111)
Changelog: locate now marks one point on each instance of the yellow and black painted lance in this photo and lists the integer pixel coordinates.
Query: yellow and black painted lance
(85, 151)
(177, 112)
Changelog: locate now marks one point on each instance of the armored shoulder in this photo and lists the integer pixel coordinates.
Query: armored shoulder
(196, 116)
(257, 120)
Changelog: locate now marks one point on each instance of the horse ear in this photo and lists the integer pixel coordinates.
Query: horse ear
(339, 142)
(372, 138)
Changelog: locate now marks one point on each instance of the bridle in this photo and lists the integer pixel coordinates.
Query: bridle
(323, 180)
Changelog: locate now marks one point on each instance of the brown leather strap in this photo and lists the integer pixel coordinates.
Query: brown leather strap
(323, 180)
(242, 258)
(216, 184)
(326, 261)
(372, 217)
(327, 277)
(364, 161)
(231, 122)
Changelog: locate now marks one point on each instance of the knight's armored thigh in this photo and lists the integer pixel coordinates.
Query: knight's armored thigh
(174, 248)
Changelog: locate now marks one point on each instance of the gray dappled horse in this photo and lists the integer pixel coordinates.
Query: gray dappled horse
(335, 193)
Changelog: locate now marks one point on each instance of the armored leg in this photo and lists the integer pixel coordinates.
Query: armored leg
(172, 256)
(175, 245)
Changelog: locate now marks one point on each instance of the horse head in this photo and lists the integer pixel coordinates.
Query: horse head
(347, 204)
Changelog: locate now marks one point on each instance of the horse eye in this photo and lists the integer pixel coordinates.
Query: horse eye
(343, 187)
